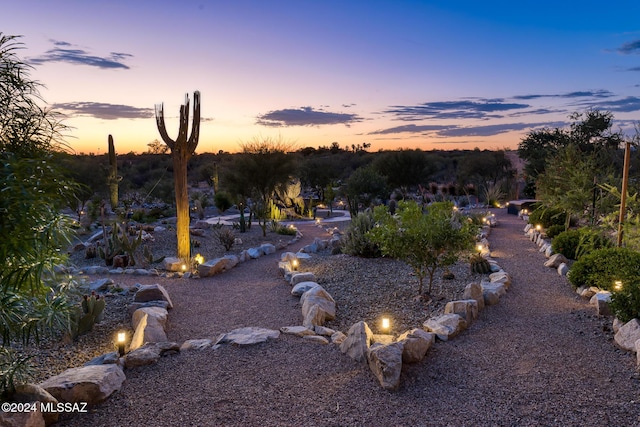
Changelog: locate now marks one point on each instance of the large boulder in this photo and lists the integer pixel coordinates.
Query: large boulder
(28, 393)
(159, 313)
(474, 291)
(247, 336)
(627, 335)
(217, 265)
(555, 260)
(90, 384)
(148, 330)
(467, 309)
(415, 344)
(356, 344)
(385, 361)
(445, 326)
(317, 307)
(154, 292)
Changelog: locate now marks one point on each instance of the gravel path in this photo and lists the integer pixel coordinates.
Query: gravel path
(539, 357)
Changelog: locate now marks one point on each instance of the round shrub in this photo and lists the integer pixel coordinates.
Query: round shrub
(547, 217)
(575, 243)
(602, 267)
(566, 243)
(553, 230)
(356, 240)
(625, 303)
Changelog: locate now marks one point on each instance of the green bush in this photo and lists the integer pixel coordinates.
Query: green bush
(576, 243)
(553, 230)
(602, 267)
(222, 201)
(356, 240)
(625, 303)
(547, 217)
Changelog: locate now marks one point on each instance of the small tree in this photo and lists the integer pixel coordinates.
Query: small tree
(426, 241)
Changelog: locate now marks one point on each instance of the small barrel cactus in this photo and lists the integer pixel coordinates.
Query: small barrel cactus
(479, 264)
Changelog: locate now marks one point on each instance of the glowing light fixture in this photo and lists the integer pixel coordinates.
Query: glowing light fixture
(184, 267)
(294, 264)
(538, 227)
(198, 259)
(479, 247)
(120, 342)
(617, 285)
(385, 323)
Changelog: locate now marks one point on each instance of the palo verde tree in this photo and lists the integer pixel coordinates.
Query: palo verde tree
(33, 234)
(182, 148)
(426, 241)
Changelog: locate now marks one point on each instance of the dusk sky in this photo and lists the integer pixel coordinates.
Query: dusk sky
(396, 74)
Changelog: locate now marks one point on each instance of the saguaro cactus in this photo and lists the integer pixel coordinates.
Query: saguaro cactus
(113, 179)
(181, 150)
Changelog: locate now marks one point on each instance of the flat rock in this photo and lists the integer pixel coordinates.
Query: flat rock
(316, 338)
(248, 336)
(153, 292)
(302, 277)
(91, 384)
(302, 287)
(199, 344)
(100, 285)
(299, 331)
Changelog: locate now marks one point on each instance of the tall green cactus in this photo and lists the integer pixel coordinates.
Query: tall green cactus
(90, 312)
(181, 150)
(113, 179)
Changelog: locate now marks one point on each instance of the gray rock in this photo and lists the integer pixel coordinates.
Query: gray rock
(549, 251)
(22, 419)
(627, 335)
(217, 265)
(255, 253)
(137, 305)
(152, 293)
(27, 393)
(160, 314)
(317, 307)
(200, 344)
(105, 359)
(172, 264)
(299, 331)
(474, 291)
(385, 361)
(467, 309)
(100, 285)
(446, 326)
(322, 330)
(287, 256)
(555, 260)
(338, 338)
(415, 344)
(356, 344)
(148, 330)
(316, 338)
(91, 384)
(302, 287)
(563, 269)
(268, 248)
(248, 336)
(501, 277)
(302, 277)
(601, 301)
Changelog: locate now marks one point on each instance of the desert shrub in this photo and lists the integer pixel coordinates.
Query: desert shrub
(576, 243)
(278, 228)
(222, 201)
(602, 267)
(553, 230)
(625, 302)
(226, 236)
(547, 217)
(356, 240)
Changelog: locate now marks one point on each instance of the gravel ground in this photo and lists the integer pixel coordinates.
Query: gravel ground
(540, 357)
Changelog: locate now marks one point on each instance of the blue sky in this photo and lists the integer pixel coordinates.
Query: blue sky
(396, 74)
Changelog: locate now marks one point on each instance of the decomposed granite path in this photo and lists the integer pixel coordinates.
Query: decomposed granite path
(541, 357)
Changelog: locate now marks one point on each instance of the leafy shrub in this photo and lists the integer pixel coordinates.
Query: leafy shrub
(566, 243)
(553, 230)
(356, 240)
(576, 243)
(625, 302)
(278, 228)
(602, 267)
(547, 217)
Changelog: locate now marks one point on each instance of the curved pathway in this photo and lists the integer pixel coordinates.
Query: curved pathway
(539, 357)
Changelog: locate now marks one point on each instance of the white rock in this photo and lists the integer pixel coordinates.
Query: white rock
(555, 260)
(356, 344)
(474, 291)
(316, 338)
(299, 331)
(302, 287)
(415, 344)
(627, 335)
(601, 301)
(385, 361)
(302, 277)
(467, 309)
(248, 336)
(445, 326)
(91, 384)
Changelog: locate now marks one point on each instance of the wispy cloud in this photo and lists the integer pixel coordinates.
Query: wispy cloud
(464, 109)
(578, 94)
(630, 48)
(104, 111)
(66, 52)
(491, 130)
(305, 116)
(411, 129)
(623, 105)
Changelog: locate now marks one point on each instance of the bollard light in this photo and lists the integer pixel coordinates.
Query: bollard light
(294, 264)
(538, 227)
(385, 323)
(198, 259)
(617, 285)
(120, 342)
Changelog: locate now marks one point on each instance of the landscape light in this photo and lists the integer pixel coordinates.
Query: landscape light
(479, 247)
(198, 259)
(385, 323)
(184, 267)
(294, 264)
(538, 227)
(617, 285)
(121, 339)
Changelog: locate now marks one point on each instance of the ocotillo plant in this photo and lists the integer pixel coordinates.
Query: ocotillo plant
(181, 150)
(113, 179)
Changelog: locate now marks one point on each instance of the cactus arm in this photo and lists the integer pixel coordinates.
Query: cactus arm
(195, 127)
(162, 127)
